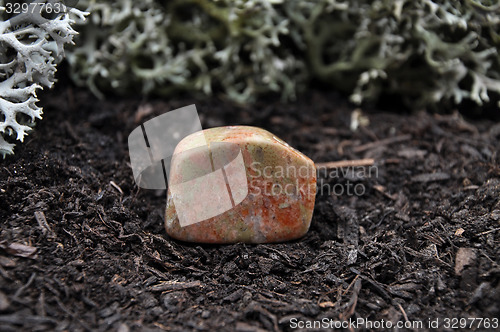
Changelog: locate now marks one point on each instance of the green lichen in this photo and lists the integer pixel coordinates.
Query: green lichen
(426, 52)
(195, 45)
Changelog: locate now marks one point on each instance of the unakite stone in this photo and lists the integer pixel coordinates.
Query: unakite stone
(239, 184)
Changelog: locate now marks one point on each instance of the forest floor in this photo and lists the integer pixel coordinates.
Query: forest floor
(83, 248)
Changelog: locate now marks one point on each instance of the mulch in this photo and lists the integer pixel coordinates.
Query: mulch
(83, 248)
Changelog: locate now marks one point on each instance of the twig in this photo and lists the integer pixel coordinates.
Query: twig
(403, 311)
(351, 306)
(385, 141)
(71, 132)
(114, 185)
(42, 222)
(174, 285)
(487, 232)
(488, 257)
(282, 254)
(346, 163)
(380, 288)
(21, 289)
(73, 315)
(350, 285)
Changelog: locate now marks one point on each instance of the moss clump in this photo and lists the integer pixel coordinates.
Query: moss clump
(31, 45)
(427, 52)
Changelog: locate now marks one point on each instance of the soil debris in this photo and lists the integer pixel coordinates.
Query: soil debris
(82, 248)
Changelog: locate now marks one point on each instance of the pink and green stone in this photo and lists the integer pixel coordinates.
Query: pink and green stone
(278, 201)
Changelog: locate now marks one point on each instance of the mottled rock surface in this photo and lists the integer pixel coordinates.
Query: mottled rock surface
(253, 187)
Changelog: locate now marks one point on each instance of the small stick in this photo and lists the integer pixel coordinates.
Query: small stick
(385, 141)
(174, 285)
(346, 163)
(488, 232)
(44, 225)
(114, 185)
(350, 285)
(403, 311)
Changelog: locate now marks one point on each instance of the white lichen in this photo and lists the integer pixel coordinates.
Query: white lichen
(158, 47)
(30, 48)
(426, 52)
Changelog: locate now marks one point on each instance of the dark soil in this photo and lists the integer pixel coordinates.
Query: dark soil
(83, 248)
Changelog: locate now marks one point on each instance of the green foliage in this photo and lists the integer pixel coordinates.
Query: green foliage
(426, 51)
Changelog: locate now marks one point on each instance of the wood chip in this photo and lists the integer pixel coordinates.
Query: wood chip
(382, 142)
(459, 231)
(117, 187)
(44, 225)
(471, 187)
(381, 189)
(19, 249)
(463, 258)
(346, 163)
(174, 285)
(412, 153)
(430, 177)
(245, 327)
(142, 112)
(327, 304)
(487, 232)
(4, 302)
(7, 262)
